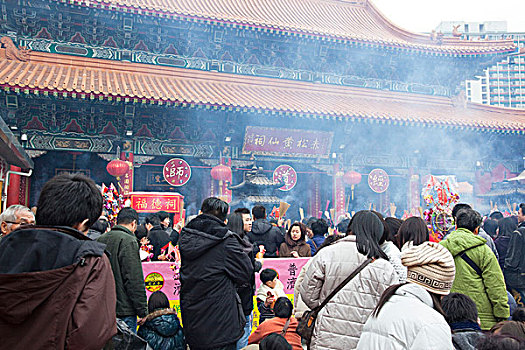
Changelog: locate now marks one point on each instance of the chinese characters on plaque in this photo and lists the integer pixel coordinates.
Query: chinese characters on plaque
(287, 175)
(378, 180)
(177, 172)
(287, 142)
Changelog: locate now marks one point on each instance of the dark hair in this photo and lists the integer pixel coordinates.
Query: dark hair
(69, 199)
(368, 230)
(100, 225)
(283, 307)
(320, 227)
(468, 219)
(498, 342)
(522, 207)
(310, 221)
(274, 341)
(519, 314)
(158, 300)
(235, 223)
(152, 219)
(216, 207)
(301, 226)
(386, 230)
(414, 229)
(267, 275)
(458, 207)
(242, 211)
(393, 225)
(141, 231)
(342, 226)
(126, 216)
(507, 226)
(163, 215)
(497, 215)
(259, 212)
(490, 226)
(387, 294)
(459, 308)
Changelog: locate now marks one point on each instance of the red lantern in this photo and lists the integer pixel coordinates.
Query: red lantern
(352, 178)
(117, 168)
(221, 173)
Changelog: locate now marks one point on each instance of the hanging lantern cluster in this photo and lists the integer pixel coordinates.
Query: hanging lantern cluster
(352, 178)
(221, 173)
(117, 168)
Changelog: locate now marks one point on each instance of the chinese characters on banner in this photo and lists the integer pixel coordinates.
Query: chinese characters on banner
(378, 180)
(287, 175)
(150, 202)
(287, 142)
(177, 172)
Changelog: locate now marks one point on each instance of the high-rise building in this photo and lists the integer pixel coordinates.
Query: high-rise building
(502, 84)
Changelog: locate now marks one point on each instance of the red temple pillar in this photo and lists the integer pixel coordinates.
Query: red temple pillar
(338, 193)
(314, 198)
(125, 182)
(13, 191)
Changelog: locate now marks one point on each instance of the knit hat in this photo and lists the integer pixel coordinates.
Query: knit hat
(431, 266)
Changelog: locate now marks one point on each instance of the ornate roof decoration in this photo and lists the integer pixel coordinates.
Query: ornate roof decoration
(11, 52)
(338, 20)
(87, 78)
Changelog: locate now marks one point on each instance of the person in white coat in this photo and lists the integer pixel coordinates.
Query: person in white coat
(409, 315)
(339, 323)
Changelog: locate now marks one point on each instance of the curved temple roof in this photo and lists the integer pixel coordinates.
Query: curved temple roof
(96, 78)
(347, 20)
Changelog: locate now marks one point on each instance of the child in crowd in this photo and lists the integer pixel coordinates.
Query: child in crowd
(271, 289)
(462, 316)
(162, 329)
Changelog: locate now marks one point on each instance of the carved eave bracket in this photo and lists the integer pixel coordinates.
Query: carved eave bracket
(9, 50)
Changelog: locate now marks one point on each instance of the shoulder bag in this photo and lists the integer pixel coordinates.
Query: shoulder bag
(306, 326)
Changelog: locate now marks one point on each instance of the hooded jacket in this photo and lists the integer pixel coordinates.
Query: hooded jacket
(127, 270)
(488, 291)
(407, 321)
(162, 330)
(264, 233)
(289, 245)
(340, 322)
(56, 290)
(214, 261)
(514, 265)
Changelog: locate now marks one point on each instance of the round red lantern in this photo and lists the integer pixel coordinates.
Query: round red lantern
(221, 173)
(352, 178)
(117, 168)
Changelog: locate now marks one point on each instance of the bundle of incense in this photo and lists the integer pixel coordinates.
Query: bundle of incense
(283, 207)
(301, 213)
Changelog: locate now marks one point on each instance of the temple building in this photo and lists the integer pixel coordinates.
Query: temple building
(325, 87)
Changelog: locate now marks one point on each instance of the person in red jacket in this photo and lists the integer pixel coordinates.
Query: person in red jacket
(283, 312)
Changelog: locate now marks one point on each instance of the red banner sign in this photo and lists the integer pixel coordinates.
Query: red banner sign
(150, 202)
(287, 142)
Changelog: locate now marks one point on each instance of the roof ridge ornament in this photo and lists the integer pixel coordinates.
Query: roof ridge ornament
(12, 52)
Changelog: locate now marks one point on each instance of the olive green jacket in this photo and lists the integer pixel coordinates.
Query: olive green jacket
(127, 270)
(488, 291)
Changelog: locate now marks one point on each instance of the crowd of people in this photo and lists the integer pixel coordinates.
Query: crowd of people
(68, 279)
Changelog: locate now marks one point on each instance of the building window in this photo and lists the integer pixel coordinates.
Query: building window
(466, 28)
(481, 28)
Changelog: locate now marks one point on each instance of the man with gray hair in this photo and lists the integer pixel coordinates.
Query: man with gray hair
(13, 217)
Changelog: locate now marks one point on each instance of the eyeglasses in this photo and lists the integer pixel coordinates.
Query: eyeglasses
(22, 222)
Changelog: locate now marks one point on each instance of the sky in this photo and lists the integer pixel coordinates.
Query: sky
(425, 15)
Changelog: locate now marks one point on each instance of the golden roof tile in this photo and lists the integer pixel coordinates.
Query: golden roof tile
(60, 73)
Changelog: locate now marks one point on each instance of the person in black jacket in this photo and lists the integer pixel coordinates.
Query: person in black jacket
(214, 261)
(265, 234)
(158, 237)
(246, 291)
